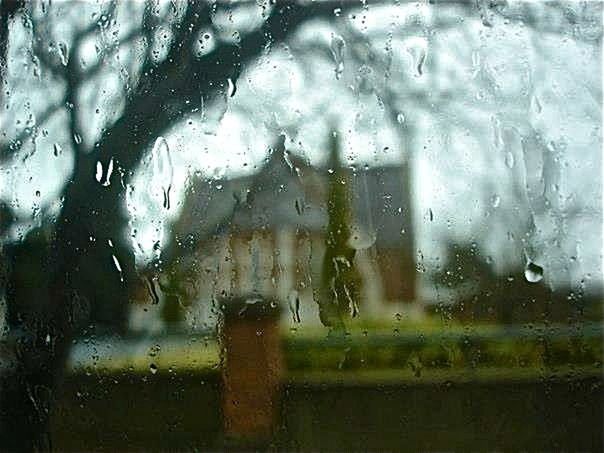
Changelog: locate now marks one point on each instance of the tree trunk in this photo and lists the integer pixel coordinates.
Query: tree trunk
(86, 265)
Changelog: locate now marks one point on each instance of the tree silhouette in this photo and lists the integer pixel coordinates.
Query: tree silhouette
(340, 280)
(89, 234)
(81, 257)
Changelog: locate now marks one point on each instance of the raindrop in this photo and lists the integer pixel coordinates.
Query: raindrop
(63, 53)
(533, 272)
(166, 202)
(99, 171)
(400, 118)
(252, 301)
(118, 267)
(232, 88)
(106, 181)
(475, 63)
(77, 138)
(152, 290)
(495, 201)
(153, 368)
(484, 13)
(299, 204)
(109, 171)
(163, 168)
(537, 105)
(361, 239)
(57, 149)
(509, 159)
(294, 306)
(364, 79)
(287, 159)
(497, 133)
(419, 53)
(36, 66)
(420, 63)
(337, 50)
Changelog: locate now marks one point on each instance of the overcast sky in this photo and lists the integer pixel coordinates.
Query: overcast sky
(476, 106)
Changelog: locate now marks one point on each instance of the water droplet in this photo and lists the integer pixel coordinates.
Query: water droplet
(294, 306)
(400, 118)
(152, 290)
(299, 204)
(118, 267)
(57, 149)
(109, 172)
(361, 239)
(166, 193)
(537, 105)
(99, 171)
(253, 301)
(497, 133)
(231, 87)
(419, 53)
(106, 181)
(495, 201)
(163, 168)
(337, 51)
(63, 53)
(475, 58)
(77, 138)
(154, 350)
(36, 66)
(533, 272)
(509, 159)
(153, 368)
(364, 80)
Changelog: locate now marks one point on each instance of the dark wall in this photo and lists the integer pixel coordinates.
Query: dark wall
(177, 411)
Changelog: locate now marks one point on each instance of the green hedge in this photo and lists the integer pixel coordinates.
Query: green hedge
(502, 348)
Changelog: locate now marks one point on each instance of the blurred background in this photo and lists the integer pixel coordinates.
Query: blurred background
(301, 225)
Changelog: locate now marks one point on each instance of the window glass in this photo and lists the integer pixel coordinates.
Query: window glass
(301, 225)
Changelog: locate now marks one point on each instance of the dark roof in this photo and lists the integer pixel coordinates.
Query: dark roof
(288, 192)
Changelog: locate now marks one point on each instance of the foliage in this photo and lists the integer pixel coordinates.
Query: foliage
(340, 279)
(481, 293)
(484, 347)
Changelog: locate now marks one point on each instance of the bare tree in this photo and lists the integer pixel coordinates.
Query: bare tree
(78, 268)
(81, 260)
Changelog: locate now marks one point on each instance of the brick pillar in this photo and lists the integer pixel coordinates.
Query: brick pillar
(251, 372)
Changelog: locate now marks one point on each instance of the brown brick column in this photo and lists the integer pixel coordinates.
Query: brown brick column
(251, 371)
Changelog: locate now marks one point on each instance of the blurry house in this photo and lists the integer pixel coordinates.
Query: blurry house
(264, 235)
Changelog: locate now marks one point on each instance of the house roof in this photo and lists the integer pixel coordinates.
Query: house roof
(287, 192)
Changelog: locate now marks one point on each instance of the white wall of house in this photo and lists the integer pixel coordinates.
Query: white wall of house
(284, 265)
